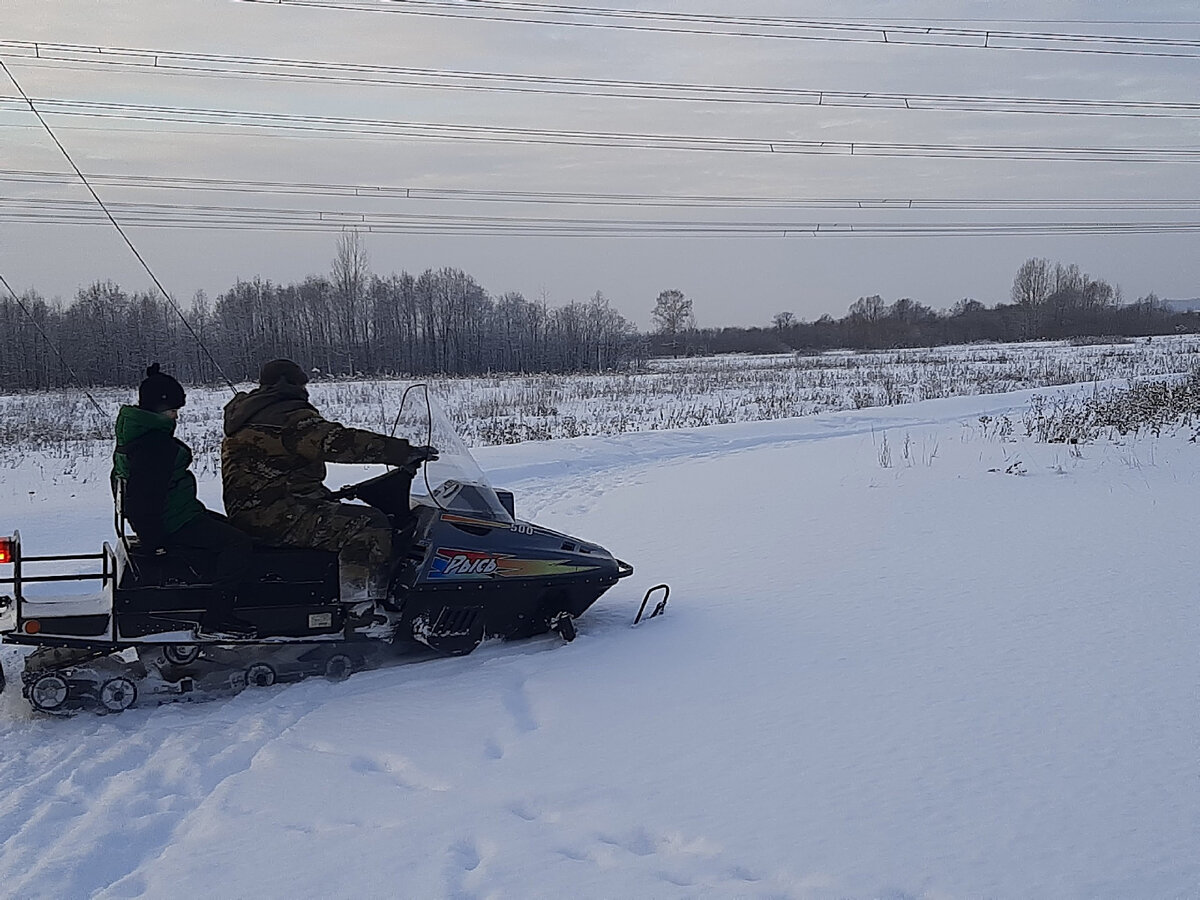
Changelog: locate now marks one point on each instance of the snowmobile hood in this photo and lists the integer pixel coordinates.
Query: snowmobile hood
(133, 422)
(265, 405)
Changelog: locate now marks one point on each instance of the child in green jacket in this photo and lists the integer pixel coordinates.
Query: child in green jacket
(160, 502)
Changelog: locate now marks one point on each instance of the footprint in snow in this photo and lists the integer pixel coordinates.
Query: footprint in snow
(516, 701)
(466, 856)
(523, 811)
(463, 869)
(639, 843)
(364, 765)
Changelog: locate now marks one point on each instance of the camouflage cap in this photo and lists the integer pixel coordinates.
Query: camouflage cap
(283, 369)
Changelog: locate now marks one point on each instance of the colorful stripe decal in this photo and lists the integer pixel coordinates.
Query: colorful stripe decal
(451, 563)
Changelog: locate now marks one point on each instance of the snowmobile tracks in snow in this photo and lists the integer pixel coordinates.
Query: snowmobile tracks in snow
(61, 804)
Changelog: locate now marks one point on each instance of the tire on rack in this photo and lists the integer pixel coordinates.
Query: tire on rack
(49, 692)
(118, 694)
(339, 667)
(181, 654)
(260, 675)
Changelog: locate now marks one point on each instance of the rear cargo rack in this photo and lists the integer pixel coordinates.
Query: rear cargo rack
(19, 577)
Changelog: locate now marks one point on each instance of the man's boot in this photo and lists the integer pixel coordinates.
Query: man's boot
(356, 582)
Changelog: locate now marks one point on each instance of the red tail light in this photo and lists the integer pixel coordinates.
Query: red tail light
(6, 550)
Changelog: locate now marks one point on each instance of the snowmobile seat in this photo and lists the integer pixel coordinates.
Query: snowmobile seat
(276, 576)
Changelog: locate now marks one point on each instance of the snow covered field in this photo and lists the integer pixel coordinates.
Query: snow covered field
(60, 427)
(970, 673)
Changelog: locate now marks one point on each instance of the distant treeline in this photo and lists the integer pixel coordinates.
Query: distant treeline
(444, 322)
(1050, 301)
(439, 322)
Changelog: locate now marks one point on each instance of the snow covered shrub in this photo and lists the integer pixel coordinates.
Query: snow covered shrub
(1091, 340)
(1145, 406)
(500, 432)
(55, 425)
(862, 398)
(884, 453)
(999, 428)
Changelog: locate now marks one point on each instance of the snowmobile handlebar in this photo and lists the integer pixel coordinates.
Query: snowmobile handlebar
(353, 491)
(416, 457)
(356, 491)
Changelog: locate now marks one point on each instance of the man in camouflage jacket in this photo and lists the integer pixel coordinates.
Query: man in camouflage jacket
(273, 472)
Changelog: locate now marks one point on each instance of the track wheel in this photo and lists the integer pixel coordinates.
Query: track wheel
(181, 654)
(260, 675)
(49, 692)
(338, 667)
(564, 626)
(118, 694)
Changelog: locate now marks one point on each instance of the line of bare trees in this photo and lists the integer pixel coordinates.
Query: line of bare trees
(1050, 301)
(443, 322)
(351, 322)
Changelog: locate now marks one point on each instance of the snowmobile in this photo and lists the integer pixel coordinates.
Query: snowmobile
(468, 570)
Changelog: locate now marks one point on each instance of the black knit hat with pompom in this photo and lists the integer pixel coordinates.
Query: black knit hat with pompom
(160, 392)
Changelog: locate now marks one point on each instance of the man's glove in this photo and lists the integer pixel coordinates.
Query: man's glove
(418, 455)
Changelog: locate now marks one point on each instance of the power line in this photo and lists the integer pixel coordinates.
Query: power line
(1005, 20)
(70, 160)
(321, 71)
(780, 28)
(373, 192)
(344, 125)
(191, 216)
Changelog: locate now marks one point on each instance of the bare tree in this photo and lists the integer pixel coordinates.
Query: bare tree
(673, 313)
(1034, 282)
(869, 309)
(863, 317)
(1032, 287)
(350, 275)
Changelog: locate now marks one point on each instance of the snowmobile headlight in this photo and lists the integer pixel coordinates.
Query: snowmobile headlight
(6, 550)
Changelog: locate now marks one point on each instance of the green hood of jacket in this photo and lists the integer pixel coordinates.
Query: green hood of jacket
(133, 422)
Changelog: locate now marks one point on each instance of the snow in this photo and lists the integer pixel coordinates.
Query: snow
(932, 679)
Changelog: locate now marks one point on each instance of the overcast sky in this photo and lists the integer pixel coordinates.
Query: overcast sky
(733, 280)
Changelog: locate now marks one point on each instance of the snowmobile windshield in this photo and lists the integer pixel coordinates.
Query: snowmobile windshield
(454, 482)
